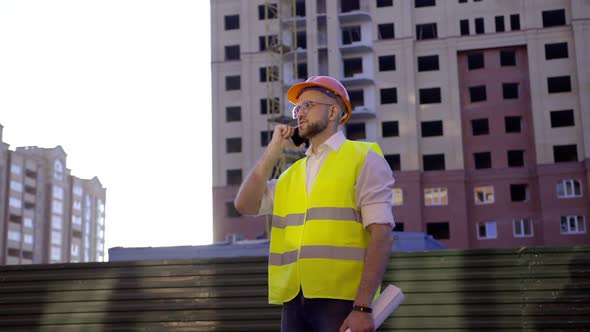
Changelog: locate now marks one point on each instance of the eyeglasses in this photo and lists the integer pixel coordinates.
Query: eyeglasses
(306, 107)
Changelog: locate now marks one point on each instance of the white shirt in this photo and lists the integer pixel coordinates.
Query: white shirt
(373, 189)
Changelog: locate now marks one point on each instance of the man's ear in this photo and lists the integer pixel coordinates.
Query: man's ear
(335, 113)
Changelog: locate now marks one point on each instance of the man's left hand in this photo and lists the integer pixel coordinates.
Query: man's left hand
(358, 322)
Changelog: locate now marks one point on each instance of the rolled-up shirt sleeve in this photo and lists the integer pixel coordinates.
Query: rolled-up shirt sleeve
(374, 191)
(266, 204)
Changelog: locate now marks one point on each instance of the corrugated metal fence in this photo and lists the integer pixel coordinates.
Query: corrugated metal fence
(528, 289)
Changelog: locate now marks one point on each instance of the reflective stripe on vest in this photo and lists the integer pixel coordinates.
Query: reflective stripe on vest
(330, 252)
(322, 213)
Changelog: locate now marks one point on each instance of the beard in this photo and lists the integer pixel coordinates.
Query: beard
(314, 128)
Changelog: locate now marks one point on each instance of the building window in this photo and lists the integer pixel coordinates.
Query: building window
(482, 160)
(351, 34)
(232, 52)
(397, 196)
(510, 90)
(56, 237)
(384, 3)
(433, 162)
(56, 222)
(573, 225)
(349, 5)
(269, 74)
(515, 22)
(507, 58)
(438, 230)
(386, 31)
(486, 230)
(428, 63)
(522, 227)
(14, 235)
(432, 128)
(499, 20)
(559, 84)
(301, 39)
(553, 18)
(426, 31)
(515, 158)
(28, 239)
(387, 62)
(301, 70)
(357, 98)
(394, 161)
(233, 114)
(569, 188)
(565, 153)
(28, 222)
(390, 128)
(424, 3)
(265, 137)
(58, 170)
(519, 192)
(232, 22)
(273, 41)
(233, 177)
(15, 169)
(267, 13)
(55, 253)
(18, 187)
(435, 196)
(233, 145)
(556, 51)
(356, 131)
(464, 27)
(512, 124)
(233, 83)
(352, 66)
(475, 61)
(480, 127)
(269, 106)
(563, 118)
(230, 210)
(479, 27)
(429, 96)
(477, 93)
(484, 195)
(388, 95)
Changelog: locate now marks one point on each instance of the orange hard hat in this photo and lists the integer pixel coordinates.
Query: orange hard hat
(332, 86)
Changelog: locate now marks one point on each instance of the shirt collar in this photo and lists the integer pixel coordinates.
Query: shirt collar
(333, 143)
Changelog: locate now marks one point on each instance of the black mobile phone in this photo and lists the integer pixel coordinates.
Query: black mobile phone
(297, 140)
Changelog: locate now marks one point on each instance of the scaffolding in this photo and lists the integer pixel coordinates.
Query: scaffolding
(281, 32)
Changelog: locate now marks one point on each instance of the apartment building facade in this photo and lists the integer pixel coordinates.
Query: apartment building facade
(48, 215)
(481, 108)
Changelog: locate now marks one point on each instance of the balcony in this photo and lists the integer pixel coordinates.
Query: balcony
(357, 47)
(362, 113)
(357, 80)
(294, 22)
(353, 12)
(30, 182)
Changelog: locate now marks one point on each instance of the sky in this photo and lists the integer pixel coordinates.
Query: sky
(124, 87)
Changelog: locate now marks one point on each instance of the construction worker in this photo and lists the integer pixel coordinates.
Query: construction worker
(331, 233)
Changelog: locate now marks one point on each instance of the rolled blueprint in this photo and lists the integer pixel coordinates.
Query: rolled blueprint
(385, 304)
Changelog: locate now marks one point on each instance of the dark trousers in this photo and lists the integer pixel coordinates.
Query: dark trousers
(314, 315)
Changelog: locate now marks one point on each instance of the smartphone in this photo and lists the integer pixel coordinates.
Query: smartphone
(297, 140)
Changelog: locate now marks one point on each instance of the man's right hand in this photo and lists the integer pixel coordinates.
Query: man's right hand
(281, 137)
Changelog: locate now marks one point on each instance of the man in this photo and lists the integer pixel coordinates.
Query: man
(331, 227)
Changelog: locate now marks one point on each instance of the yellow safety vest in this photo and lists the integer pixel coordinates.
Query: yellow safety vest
(318, 242)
